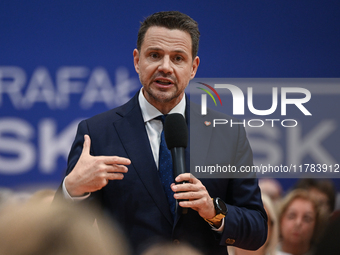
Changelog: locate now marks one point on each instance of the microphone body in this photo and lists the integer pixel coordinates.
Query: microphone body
(176, 137)
(178, 160)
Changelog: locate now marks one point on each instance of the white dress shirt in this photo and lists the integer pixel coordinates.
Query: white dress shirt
(154, 127)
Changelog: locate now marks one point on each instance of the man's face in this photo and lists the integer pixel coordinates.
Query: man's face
(165, 66)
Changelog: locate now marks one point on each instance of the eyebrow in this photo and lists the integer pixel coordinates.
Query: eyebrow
(159, 49)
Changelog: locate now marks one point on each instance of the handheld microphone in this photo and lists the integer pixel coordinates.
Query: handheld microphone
(176, 138)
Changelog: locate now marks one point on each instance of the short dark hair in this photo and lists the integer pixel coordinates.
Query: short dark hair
(171, 20)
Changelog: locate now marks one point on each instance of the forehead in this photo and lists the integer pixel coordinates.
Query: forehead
(167, 39)
(301, 205)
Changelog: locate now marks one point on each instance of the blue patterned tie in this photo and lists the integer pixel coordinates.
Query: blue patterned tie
(165, 169)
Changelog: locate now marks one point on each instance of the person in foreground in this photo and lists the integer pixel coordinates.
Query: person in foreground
(115, 160)
(38, 228)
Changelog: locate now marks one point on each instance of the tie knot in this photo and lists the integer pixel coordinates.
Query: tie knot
(161, 118)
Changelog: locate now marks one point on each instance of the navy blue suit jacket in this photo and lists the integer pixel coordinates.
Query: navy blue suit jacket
(139, 203)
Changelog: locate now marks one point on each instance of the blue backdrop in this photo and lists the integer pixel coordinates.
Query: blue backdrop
(62, 61)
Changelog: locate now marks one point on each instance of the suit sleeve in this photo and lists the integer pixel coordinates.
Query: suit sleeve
(245, 225)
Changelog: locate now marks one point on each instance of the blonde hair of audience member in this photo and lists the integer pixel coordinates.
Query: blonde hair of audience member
(5, 194)
(8, 197)
(301, 222)
(272, 188)
(42, 196)
(171, 249)
(269, 247)
(57, 229)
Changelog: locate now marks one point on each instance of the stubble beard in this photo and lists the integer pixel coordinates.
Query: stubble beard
(161, 96)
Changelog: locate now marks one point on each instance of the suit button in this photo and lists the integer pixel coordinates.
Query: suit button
(176, 241)
(230, 241)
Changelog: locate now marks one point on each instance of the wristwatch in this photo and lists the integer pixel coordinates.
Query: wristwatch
(221, 211)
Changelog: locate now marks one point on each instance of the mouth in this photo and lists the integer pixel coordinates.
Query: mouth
(296, 233)
(163, 81)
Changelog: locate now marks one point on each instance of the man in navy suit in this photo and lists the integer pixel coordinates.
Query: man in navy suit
(114, 158)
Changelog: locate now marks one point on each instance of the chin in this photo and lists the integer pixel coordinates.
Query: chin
(164, 97)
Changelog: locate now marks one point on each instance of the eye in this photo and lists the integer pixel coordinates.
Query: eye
(291, 216)
(178, 58)
(154, 55)
(308, 219)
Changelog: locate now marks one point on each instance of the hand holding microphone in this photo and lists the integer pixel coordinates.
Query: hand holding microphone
(190, 193)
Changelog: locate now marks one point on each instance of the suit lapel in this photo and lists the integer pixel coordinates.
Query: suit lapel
(200, 136)
(133, 135)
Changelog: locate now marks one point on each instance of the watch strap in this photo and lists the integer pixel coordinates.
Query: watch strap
(218, 217)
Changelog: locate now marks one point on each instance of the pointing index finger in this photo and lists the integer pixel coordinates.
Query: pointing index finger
(116, 160)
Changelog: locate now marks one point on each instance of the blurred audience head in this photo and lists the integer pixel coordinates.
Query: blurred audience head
(269, 247)
(329, 243)
(44, 229)
(42, 196)
(273, 226)
(5, 194)
(8, 196)
(272, 188)
(301, 222)
(322, 190)
(171, 249)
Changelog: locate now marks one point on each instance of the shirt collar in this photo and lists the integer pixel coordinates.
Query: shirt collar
(150, 112)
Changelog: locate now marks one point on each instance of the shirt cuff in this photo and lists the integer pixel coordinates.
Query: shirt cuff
(68, 196)
(220, 229)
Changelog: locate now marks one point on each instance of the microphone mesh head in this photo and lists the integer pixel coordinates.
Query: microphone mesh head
(175, 131)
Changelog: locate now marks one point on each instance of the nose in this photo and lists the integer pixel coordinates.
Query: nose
(165, 65)
(298, 221)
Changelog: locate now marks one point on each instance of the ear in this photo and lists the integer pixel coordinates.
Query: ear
(195, 65)
(136, 60)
